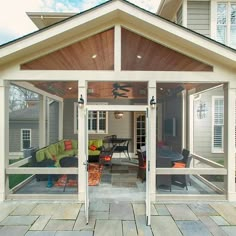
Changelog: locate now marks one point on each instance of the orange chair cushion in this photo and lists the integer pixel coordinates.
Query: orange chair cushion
(144, 166)
(107, 158)
(92, 147)
(179, 165)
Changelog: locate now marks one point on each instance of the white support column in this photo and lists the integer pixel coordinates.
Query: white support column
(48, 121)
(4, 137)
(184, 13)
(60, 120)
(117, 48)
(190, 123)
(184, 116)
(42, 121)
(152, 139)
(229, 140)
(81, 140)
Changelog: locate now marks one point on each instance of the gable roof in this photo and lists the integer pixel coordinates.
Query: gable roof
(112, 11)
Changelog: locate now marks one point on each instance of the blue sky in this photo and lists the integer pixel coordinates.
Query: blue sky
(14, 22)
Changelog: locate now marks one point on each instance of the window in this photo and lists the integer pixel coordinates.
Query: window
(97, 121)
(218, 124)
(25, 138)
(226, 24)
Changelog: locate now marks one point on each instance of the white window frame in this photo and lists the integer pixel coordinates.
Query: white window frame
(98, 131)
(215, 149)
(21, 137)
(228, 20)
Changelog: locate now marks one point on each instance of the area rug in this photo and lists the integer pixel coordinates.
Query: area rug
(95, 172)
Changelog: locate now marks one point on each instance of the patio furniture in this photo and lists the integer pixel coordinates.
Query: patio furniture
(141, 166)
(69, 162)
(163, 180)
(122, 144)
(182, 180)
(94, 149)
(169, 154)
(105, 156)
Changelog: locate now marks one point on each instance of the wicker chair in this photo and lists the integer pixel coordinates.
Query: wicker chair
(163, 180)
(141, 166)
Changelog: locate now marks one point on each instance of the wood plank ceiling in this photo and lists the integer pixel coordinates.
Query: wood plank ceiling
(97, 53)
(93, 53)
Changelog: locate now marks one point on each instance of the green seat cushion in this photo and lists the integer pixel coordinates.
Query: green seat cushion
(61, 146)
(52, 148)
(40, 155)
(75, 144)
(93, 153)
(48, 154)
(96, 142)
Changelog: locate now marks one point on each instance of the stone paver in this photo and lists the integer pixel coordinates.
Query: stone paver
(13, 230)
(129, 228)
(162, 210)
(230, 230)
(193, 228)
(117, 218)
(40, 223)
(143, 229)
(58, 225)
(108, 228)
(23, 209)
(99, 206)
(19, 220)
(121, 211)
(227, 211)
(201, 209)
(6, 209)
(74, 233)
(41, 233)
(164, 225)
(139, 209)
(177, 210)
(67, 211)
(219, 220)
(153, 210)
(80, 223)
(45, 209)
(212, 226)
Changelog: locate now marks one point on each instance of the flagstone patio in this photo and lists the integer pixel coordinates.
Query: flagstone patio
(117, 218)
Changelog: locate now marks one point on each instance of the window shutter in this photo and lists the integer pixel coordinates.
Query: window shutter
(218, 124)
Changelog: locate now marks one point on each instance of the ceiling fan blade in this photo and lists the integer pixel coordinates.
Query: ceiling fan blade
(124, 89)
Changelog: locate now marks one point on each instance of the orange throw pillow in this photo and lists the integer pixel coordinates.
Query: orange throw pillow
(92, 147)
(107, 158)
(179, 165)
(68, 145)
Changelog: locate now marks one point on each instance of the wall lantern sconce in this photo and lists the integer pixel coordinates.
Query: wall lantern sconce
(201, 110)
(118, 114)
(152, 102)
(81, 101)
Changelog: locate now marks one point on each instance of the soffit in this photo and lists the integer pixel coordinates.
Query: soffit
(45, 19)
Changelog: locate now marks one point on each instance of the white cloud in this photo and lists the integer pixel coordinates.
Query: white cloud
(15, 23)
